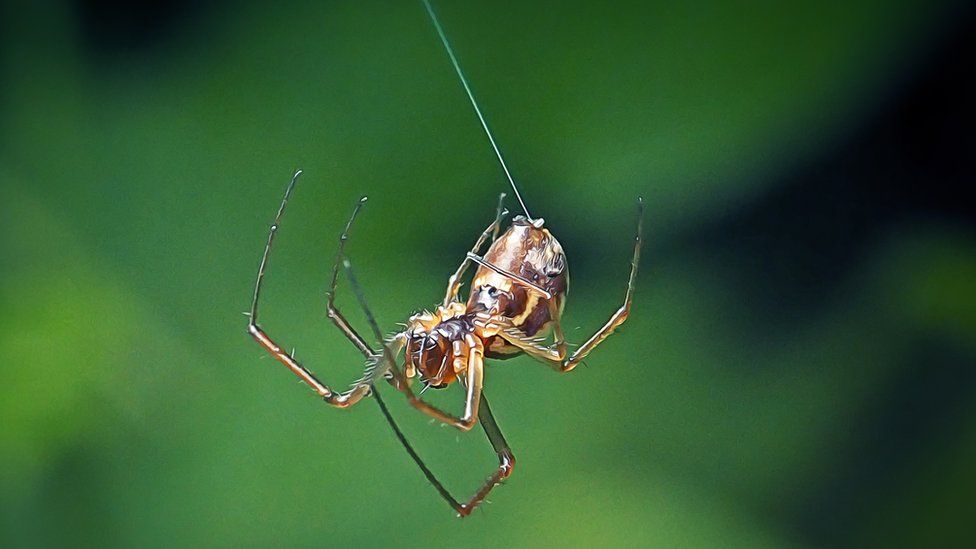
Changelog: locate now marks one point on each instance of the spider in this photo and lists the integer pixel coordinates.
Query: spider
(517, 298)
(515, 303)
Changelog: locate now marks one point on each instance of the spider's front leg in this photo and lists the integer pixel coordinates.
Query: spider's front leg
(454, 283)
(338, 399)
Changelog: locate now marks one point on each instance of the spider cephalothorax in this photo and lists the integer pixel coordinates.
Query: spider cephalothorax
(440, 344)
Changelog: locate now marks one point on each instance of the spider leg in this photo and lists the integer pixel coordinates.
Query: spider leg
(415, 456)
(506, 460)
(474, 370)
(621, 314)
(454, 283)
(334, 314)
(500, 212)
(341, 400)
(556, 356)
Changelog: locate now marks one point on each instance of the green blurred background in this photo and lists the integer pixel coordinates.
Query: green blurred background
(798, 369)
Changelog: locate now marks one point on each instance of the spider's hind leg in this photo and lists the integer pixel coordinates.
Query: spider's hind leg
(555, 356)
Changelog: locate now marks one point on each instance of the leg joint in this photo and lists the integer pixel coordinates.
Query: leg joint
(506, 463)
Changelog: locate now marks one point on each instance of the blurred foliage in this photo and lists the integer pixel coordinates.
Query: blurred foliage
(797, 371)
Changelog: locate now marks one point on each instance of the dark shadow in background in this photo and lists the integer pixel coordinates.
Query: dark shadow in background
(792, 250)
(110, 28)
(791, 254)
